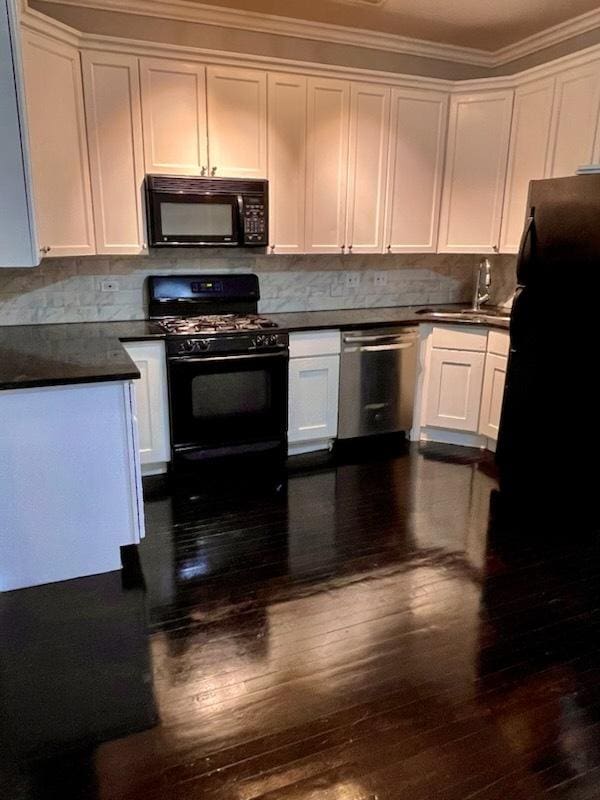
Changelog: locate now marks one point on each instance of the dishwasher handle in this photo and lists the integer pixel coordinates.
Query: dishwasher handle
(377, 348)
(387, 337)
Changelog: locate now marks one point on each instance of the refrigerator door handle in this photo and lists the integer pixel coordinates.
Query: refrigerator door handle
(527, 234)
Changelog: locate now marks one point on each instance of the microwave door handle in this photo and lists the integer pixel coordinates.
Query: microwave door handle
(240, 202)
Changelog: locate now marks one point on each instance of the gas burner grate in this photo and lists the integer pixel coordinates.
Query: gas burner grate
(216, 323)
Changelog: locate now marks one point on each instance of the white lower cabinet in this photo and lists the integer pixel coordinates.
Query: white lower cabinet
(314, 377)
(491, 398)
(454, 391)
(152, 403)
(461, 385)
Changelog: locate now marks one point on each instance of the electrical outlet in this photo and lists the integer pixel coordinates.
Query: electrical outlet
(352, 280)
(109, 286)
(380, 279)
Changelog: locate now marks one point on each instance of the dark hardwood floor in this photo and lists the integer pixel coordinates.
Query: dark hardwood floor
(370, 631)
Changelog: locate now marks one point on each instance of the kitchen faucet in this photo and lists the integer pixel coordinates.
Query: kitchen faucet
(479, 298)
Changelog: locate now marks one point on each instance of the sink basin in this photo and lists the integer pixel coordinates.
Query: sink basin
(468, 314)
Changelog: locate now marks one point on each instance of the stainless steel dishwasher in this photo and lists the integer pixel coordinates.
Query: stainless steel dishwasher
(377, 381)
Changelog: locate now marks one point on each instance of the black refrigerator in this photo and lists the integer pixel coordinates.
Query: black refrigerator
(549, 429)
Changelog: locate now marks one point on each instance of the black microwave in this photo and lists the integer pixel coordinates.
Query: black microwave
(198, 212)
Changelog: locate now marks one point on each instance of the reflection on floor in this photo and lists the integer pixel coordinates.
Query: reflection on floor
(363, 633)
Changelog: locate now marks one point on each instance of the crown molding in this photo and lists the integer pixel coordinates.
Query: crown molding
(203, 14)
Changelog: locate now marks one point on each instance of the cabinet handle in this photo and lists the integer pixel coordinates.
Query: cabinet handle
(272, 248)
(496, 249)
(45, 250)
(343, 249)
(389, 248)
(203, 172)
(350, 248)
(213, 172)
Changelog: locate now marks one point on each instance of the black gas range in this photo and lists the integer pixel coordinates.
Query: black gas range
(227, 368)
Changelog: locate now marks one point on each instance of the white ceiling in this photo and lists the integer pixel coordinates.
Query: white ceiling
(484, 24)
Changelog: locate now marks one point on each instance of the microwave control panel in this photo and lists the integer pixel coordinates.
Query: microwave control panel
(255, 221)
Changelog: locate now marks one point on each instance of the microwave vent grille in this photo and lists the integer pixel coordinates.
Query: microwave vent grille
(192, 185)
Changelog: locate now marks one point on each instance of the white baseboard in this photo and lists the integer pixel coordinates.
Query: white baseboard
(453, 437)
(154, 469)
(298, 448)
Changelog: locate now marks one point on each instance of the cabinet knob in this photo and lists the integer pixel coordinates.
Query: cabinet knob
(272, 248)
(389, 248)
(213, 172)
(45, 250)
(343, 248)
(203, 172)
(496, 249)
(349, 248)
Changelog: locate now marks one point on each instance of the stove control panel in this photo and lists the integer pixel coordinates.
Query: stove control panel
(223, 344)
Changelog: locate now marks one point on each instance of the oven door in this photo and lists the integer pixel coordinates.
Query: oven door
(194, 220)
(227, 405)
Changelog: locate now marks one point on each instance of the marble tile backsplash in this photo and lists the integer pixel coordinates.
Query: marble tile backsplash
(71, 289)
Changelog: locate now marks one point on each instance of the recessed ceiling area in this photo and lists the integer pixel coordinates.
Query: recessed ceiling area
(483, 24)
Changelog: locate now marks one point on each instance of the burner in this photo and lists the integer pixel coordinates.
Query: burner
(216, 323)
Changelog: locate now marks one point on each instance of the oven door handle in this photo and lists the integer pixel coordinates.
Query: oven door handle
(239, 357)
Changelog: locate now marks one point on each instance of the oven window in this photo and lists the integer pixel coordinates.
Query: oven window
(194, 219)
(231, 394)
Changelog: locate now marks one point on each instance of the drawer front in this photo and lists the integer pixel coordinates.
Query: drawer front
(314, 343)
(455, 337)
(498, 343)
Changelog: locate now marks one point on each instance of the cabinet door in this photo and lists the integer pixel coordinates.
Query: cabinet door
(417, 145)
(113, 110)
(478, 136)
(454, 389)
(313, 401)
(367, 167)
(237, 122)
(287, 162)
(492, 394)
(528, 158)
(152, 401)
(18, 244)
(59, 154)
(575, 119)
(174, 116)
(327, 165)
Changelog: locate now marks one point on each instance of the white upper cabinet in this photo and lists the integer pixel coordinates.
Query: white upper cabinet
(237, 122)
(114, 121)
(575, 119)
(18, 244)
(415, 172)
(287, 162)
(367, 167)
(174, 117)
(327, 165)
(529, 155)
(58, 145)
(478, 137)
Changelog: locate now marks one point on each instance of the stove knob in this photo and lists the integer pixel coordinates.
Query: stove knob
(259, 340)
(201, 345)
(271, 340)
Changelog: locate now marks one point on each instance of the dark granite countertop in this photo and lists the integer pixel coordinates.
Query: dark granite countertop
(89, 352)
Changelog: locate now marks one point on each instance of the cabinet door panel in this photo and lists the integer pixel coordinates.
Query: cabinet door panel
(327, 165)
(492, 394)
(313, 410)
(575, 119)
(58, 145)
(287, 162)
(417, 146)
(528, 158)
(454, 389)
(237, 122)
(475, 173)
(174, 116)
(114, 117)
(367, 168)
(152, 401)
